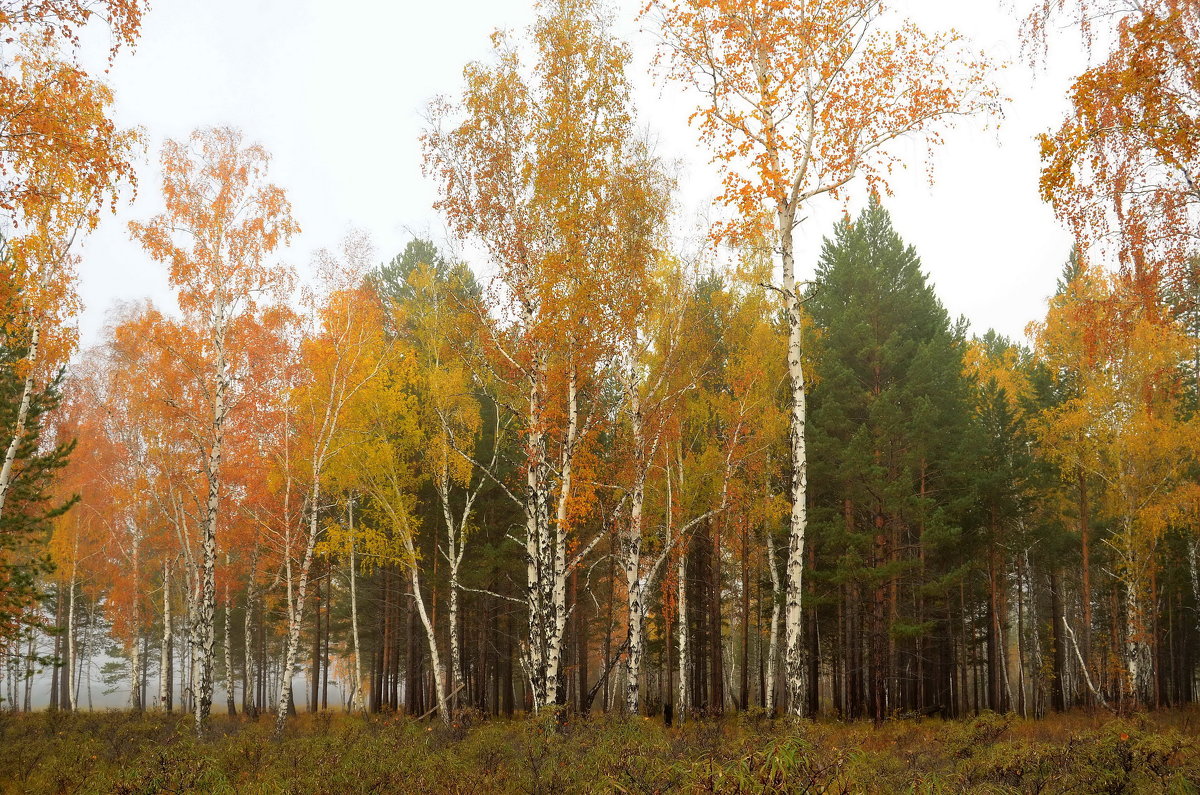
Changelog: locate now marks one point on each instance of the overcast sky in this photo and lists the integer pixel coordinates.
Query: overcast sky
(336, 90)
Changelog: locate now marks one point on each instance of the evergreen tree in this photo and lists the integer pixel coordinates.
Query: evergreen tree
(30, 505)
(889, 411)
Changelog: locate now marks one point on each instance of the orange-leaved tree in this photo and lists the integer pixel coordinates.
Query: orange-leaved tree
(345, 350)
(1122, 425)
(1123, 168)
(539, 164)
(222, 219)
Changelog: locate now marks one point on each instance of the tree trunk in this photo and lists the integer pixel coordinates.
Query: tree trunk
(773, 646)
(635, 587)
(314, 696)
(744, 692)
(356, 698)
(682, 624)
(230, 704)
(203, 636)
(10, 454)
(798, 520)
(248, 700)
(69, 672)
(296, 613)
(164, 653)
(1058, 700)
(435, 658)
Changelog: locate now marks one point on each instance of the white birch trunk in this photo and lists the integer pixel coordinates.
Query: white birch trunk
(456, 672)
(1193, 551)
(164, 650)
(203, 627)
(189, 651)
(534, 538)
(681, 618)
(435, 656)
(10, 454)
(634, 587)
(230, 704)
(137, 695)
(455, 548)
(793, 648)
(296, 611)
(1140, 663)
(557, 619)
(250, 677)
(356, 695)
(70, 669)
(773, 646)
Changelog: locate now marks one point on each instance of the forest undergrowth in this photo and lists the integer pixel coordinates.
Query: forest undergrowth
(122, 752)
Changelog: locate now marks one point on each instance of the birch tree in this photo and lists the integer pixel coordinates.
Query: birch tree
(535, 164)
(799, 99)
(345, 350)
(1122, 425)
(221, 221)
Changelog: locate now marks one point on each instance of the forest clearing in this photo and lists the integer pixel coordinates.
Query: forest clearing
(665, 458)
(334, 753)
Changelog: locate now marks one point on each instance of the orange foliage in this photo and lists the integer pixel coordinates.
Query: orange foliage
(1123, 168)
(800, 98)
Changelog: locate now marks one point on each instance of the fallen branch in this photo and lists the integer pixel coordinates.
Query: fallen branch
(434, 708)
(1087, 677)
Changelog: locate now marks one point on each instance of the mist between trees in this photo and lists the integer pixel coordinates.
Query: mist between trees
(610, 477)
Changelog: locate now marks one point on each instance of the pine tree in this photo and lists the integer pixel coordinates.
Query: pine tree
(30, 505)
(888, 415)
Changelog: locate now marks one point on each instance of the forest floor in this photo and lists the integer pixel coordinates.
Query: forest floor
(121, 752)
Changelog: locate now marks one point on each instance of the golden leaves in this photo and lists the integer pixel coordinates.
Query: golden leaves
(1121, 169)
(800, 98)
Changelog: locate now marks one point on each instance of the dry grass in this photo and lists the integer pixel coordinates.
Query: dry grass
(1078, 752)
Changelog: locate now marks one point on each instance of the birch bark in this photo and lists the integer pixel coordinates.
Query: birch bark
(164, 649)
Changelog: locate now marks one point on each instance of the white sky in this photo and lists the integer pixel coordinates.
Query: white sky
(336, 89)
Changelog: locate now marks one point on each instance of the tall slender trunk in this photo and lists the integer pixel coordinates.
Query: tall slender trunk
(1085, 548)
(137, 694)
(230, 704)
(773, 646)
(69, 672)
(682, 630)
(248, 679)
(556, 555)
(356, 697)
(798, 520)
(314, 696)
(164, 648)
(27, 704)
(1139, 663)
(536, 538)
(1058, 691)
(203, 635)
(435, 657)
(635, 595)
(456, 669)
(296, 610)
(1194, 571)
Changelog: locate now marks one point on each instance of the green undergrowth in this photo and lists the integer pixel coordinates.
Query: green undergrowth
(120, 752)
